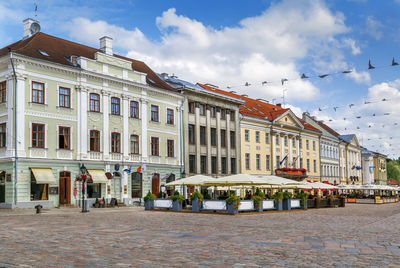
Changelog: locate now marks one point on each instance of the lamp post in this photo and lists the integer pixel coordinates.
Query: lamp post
(83, 178)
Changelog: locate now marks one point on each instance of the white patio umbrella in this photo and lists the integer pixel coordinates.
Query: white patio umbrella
(320, 185)
(192, 180)
(239, 179)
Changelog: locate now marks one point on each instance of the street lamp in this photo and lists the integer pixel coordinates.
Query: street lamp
(83, 178)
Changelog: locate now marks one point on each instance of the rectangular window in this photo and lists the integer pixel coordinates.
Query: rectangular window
(315, 165)
(258, 164)
(233, 139)
(268, 162)
(65, 97)
(307, 144)
(95, 141)
(191, 134)
(154, 147)
(223, 138)
(191, 107)
(278, 161)
(203, 136)
(267, 138)
(154, 113)
(223, 165)
(223, 114)
(170, 116)
(170, 148)
(247, 161)
(115, 142)
(212, 111)
(64, 138)
(285, 140)
(308, 165)
(202, 109)
(134, 109)
(277, 137)
(3, 131)
(94, 102)
(301, 162)
(257, 136)
(38, 191)
(247, 135)
(232, 115)
(233, 165)
(294, 142)
(313, 145)
(38, 92)
(137, 182)
(300, 143)
(3, 92)
(115, 106)
(213, 134)
(192, 163)
(213, 165)
(203, 164)
(38, 135)
(134, 144)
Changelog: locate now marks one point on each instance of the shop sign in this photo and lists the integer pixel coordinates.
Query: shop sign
(8, 177)
(125, 189)
(108, 188)
(53, 190)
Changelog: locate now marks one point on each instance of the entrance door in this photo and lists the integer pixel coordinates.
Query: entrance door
(2, 187)
(155, 184)
(65, 188)
(116, 182)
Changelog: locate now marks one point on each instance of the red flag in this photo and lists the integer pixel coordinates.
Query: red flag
(139, 169)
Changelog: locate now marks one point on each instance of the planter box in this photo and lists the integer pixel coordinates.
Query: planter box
(278, 205)
(287, 204)
(214, 205)
(195, 205)
(268, 204)
(342, 202)
(176, 205)
(304, 204)
(261, 208)
(246, 205)
(149, 205)
(310, 203)
(295, 203)
(317, 203)
(231, 209)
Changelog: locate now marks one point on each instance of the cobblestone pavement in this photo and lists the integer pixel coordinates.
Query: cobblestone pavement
(358, 235)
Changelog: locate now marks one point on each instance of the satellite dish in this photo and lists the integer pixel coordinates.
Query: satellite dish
(35, 27)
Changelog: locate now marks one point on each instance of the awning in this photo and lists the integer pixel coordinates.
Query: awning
(98, 175)
(44, 176)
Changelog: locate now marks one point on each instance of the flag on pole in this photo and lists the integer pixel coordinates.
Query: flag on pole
(294, 161)
(280, 163)
(141, 168)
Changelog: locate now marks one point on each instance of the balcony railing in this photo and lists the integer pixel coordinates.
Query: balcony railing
(95, 155)
(116, 156)
(136, 157)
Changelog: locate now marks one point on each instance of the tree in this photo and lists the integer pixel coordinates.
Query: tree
(393, 170)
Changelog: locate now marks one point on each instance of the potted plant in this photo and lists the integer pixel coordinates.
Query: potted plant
(196, 198)
(331, 201)
(303, 196)
(278, 200)
(286, 200)
(316, 200)
(102, 203)
(97, 203)
(149, 201)
(258, 203)
(177, 200)
(233, 203)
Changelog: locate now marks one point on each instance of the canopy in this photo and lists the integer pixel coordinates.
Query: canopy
(98, 175)
(44, 176)
(276, 180)
(320, 185)
(193, 180)
(240, 179)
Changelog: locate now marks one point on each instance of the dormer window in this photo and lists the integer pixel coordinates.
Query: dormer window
(44, 53)
(73, 59)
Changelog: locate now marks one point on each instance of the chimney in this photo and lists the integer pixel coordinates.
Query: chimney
(165, 75)
(30, 30)
(106, 45)
(263, 100)
(244, 95)
(314, 118)
(279, 104)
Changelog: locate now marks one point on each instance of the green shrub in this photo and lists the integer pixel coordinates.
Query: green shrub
(287, 195)
(149, 197)
(176, 193)
(257, 201)
(278, 196)
(198, 195)
(207, 196)
(260, 193)
(178, 197)
(159, 195)
(233, 199)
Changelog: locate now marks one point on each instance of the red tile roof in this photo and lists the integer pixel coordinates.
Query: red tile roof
(258, 108)
(393, 182)
(328, 129)
(58, 49)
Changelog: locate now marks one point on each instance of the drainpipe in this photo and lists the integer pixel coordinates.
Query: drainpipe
(182, 136)
(15, 131)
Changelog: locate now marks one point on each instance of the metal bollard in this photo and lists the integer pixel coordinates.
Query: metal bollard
(38, 209)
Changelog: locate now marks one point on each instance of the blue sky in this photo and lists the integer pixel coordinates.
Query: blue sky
(229, 43)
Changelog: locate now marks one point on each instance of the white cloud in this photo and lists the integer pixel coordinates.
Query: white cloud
(362, 77)
(355, 50)
(374, 28)
(260, 48)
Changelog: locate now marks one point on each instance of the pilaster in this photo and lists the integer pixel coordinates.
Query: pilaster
(106, 126)
(143, 104)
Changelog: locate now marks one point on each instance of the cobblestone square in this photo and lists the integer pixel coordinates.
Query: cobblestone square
(355, 236)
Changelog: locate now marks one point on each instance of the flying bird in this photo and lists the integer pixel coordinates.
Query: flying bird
(370, 67)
